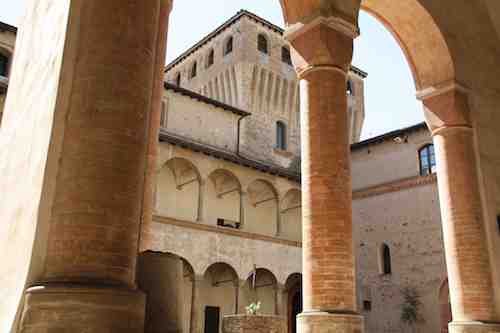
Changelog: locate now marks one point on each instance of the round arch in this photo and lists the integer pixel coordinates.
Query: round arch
(223, 199)
(167, 279)
(293, 287)
(291, 215)
(178, 190)
(261, 285)
(261, 208)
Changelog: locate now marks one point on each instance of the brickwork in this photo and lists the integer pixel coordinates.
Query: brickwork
(253, 324)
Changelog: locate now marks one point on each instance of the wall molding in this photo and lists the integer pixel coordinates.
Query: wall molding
(399, 185)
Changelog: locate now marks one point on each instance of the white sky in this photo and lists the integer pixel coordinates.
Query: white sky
(389, 89)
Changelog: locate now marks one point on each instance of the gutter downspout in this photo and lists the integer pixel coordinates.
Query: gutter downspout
(239, 134)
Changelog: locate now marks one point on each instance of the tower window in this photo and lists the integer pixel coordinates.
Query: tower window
(228, 47)
(350, 88)
(285, 55)
(4, 65)
(262, 44)
(280, 135)
(178, 80)
(427, 159)
(210, 58)
(194, 70)
(385, 256)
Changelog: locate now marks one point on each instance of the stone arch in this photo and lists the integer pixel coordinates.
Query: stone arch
(223, 199)
(261, 285)
(261, 208)
(167, 280)
(419, 37)
(291, 215)
(178, 190)
(445, 306)
(220, 289)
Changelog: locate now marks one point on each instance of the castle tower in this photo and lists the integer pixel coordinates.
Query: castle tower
(246, 63)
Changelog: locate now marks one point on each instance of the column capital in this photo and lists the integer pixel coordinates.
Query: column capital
(446, 107)
(324, 43)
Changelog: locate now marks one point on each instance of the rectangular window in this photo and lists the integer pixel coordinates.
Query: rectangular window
(212, 319)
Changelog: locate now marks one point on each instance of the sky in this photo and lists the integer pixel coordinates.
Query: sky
(390, 101)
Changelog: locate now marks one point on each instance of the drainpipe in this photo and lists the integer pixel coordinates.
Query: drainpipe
(239, 134)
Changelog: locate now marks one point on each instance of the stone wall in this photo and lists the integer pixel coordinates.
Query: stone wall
(253, 324)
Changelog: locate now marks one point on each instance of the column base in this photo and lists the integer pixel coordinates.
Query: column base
(82, 309)
(324, 322)
(473, 327)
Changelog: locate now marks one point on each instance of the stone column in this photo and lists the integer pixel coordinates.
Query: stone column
(467, 258)
(195, 320)
(322, 53)
(85, 102)
(200, 215)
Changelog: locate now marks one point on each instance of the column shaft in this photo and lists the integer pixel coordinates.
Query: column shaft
(328, 259)
(469, 275)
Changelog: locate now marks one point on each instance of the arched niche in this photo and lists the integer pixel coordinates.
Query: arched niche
(261, 208)
(223, 199)
(291, 216)
(261, 286)
(219, 292)
(178, 190)
(167, 280)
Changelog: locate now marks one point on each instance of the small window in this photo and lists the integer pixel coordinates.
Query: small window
(386, 265)
(367, 305)
(194, 70)
(4, 65)
(178, 80)
(228, 48)
(350, 88)
(427, 159)
(280, 135)
(210, 58)
(262, 44)
(285, 55)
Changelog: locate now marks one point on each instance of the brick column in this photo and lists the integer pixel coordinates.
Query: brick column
(467, 257)
(322, 53)
(82, 277)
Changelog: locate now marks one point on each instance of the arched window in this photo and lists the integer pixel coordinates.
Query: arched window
(350, 88)
(228, 47)
(210, 58)
(262, 44)
(385, 256)
(427, 159)
(285, 55)
(4, 65)
(280, 135)
(194, 70)
(178, 80)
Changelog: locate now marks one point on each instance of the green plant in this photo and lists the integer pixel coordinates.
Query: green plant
(253, 308)
(410, 309)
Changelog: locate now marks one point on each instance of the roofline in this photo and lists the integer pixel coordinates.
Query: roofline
(7, 27)
(185, 143)
(388, 136)
(226, 25)
(204, 99)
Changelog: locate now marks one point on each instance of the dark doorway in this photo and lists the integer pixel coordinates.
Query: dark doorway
(296, 308)
(212, 319)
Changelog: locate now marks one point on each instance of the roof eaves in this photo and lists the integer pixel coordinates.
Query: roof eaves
(7, 27)
(205, 99)
(388, 136)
